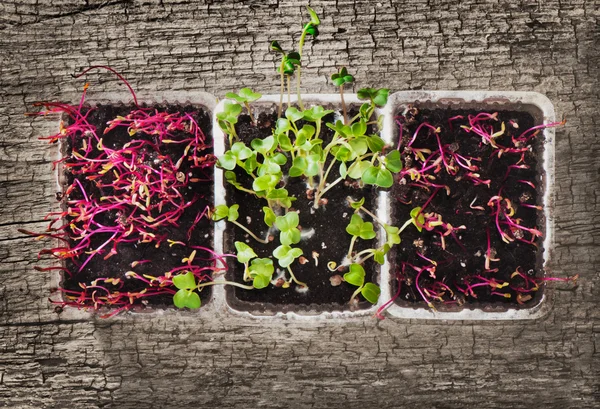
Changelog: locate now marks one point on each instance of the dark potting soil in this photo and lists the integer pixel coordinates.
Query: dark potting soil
(324, 237)
(163, 258)
(466, 256)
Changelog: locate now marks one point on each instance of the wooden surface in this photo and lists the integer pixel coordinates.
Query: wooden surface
(160, 361)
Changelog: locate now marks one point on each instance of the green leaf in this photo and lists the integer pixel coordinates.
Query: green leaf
(343, 169)
(356, 170)
(356, 275)
(260, 281)
(344, 154)
(249, 95)
(185, 298)
(220, 212)
(377, 96)
(379, 254)
(228, 161)
(286, 255)
(375, 143)
(375, 175)
(293, 115)
(418, 221)
(279, 158)
(277, 194)
(393, 162)
(298, 166)
(241, 151)
(269, 216)
(276, 47)
(244, 252)
(263, 146)
(230, 112)
(185, 281)
(312, 30)
(312, 165)
(340, 128)
(233, 213)
(371, 292)
(290, 237)
(392, 233)
(261, 270)
(314, 18)
(305, 134)
(282, 126)
(265, 182)
(359, 145)
(269, 167)
(250, 164)
(381, 97)
(360, 228)
(284, 142)
(366, 111)
(359, 128)
(316, 113)
(232, 179)
(289, 221)
(358, 204)
(338, 82)
(261, 266)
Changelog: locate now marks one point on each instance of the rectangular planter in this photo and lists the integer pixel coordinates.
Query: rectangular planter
(224, 231)
(201, 100)
(542, 110)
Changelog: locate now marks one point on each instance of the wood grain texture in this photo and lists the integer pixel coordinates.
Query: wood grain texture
(159, 361)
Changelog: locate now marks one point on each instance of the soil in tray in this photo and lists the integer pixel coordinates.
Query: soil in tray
(464, 255)
(324, 235)
(161, 259)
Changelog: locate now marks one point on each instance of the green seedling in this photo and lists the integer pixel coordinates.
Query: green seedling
(231, 214)
(186, 296)
(286, 69)
(359, 228)
(285, 256)
(288, 226)
(340, 79)
(261, 272)
(310, 28)
(228, 118)
(392, 236)
(245, 96)
(356, 276)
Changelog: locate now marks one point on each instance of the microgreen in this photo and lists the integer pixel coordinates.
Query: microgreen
(186, 296)
(356, 277)
(227, 119)
(245, 96)
(288, 226)
(339, 79)
(231, 214)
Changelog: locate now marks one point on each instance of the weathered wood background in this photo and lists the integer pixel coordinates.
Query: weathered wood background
(159, 361)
